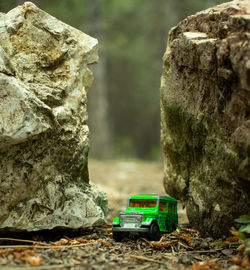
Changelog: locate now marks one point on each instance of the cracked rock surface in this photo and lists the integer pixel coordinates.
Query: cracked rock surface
(44, 78)
(205, 94)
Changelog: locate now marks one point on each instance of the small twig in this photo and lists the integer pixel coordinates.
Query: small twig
(198, 251)
(173, 252)
(22, 240)
(66, 237)
(198, 258)
(46, 247)
(145, 240)
(44, 267)
(144, 267)
(146, 259)
(185, 246)
(169, 256)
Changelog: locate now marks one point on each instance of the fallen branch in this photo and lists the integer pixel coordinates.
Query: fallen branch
(22, 240)
(199, 251)
(45, 267)
(146, 259)
(46, 247)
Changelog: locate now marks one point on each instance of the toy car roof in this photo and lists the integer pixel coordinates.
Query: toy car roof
(153, 196)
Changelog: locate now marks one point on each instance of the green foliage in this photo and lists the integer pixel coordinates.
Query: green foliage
(242, 233)
(243, 219)
(244, 230)
(220, 244)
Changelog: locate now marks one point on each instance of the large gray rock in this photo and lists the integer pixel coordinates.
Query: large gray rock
(44, 78)
(205, 105)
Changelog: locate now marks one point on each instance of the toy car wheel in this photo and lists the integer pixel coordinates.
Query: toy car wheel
(154, 232)
(117, 236)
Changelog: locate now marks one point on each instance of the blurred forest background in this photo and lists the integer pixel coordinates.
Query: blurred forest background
(124, 103)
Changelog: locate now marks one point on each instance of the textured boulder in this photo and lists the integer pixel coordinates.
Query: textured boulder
(44, 77)
(205, 105)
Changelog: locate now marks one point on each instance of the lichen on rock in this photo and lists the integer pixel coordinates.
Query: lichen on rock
(44, 77)
(205, 93)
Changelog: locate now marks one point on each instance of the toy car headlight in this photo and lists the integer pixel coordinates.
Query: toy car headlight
(116, 221)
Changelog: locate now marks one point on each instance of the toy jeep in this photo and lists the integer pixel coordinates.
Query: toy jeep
(147, 214)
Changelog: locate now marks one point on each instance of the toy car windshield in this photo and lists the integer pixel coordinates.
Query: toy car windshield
(150, 215)
(139, 203)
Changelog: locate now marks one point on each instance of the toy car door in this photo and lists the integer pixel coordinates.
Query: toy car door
(169, 217)
(163, 214)
(170, 220)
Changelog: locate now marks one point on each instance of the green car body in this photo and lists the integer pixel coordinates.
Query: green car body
(147, 214)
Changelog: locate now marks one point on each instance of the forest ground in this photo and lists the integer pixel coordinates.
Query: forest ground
(94, 248)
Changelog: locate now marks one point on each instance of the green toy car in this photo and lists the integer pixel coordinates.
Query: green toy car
(147, 214)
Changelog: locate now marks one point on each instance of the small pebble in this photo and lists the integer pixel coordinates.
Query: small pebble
(227, 251)
(185, 259)
(204, 245)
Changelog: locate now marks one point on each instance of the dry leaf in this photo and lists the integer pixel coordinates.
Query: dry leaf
(186, 237)
(232, 239)
(19, 253)
(192, 231)
(82, 240)
(61, 242)
(160, 245)
(236, 260)
(74, 242)
(245, 262)
(2, 252)
(183, 236)
(206, 265)
(29, 256)
(241, 249)
(235, 232)
(34, 260)
(104, 243)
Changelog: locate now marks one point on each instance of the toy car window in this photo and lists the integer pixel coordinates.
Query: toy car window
(142, 203)
(162, 206)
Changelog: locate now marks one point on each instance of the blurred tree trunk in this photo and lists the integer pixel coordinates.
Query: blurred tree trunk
(100, 134)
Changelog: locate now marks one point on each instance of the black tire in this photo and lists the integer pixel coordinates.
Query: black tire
(173, 227)
(166, 224)
(154, 232)
(117, 236)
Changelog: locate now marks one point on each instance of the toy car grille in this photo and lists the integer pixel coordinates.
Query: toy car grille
(130, 219)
